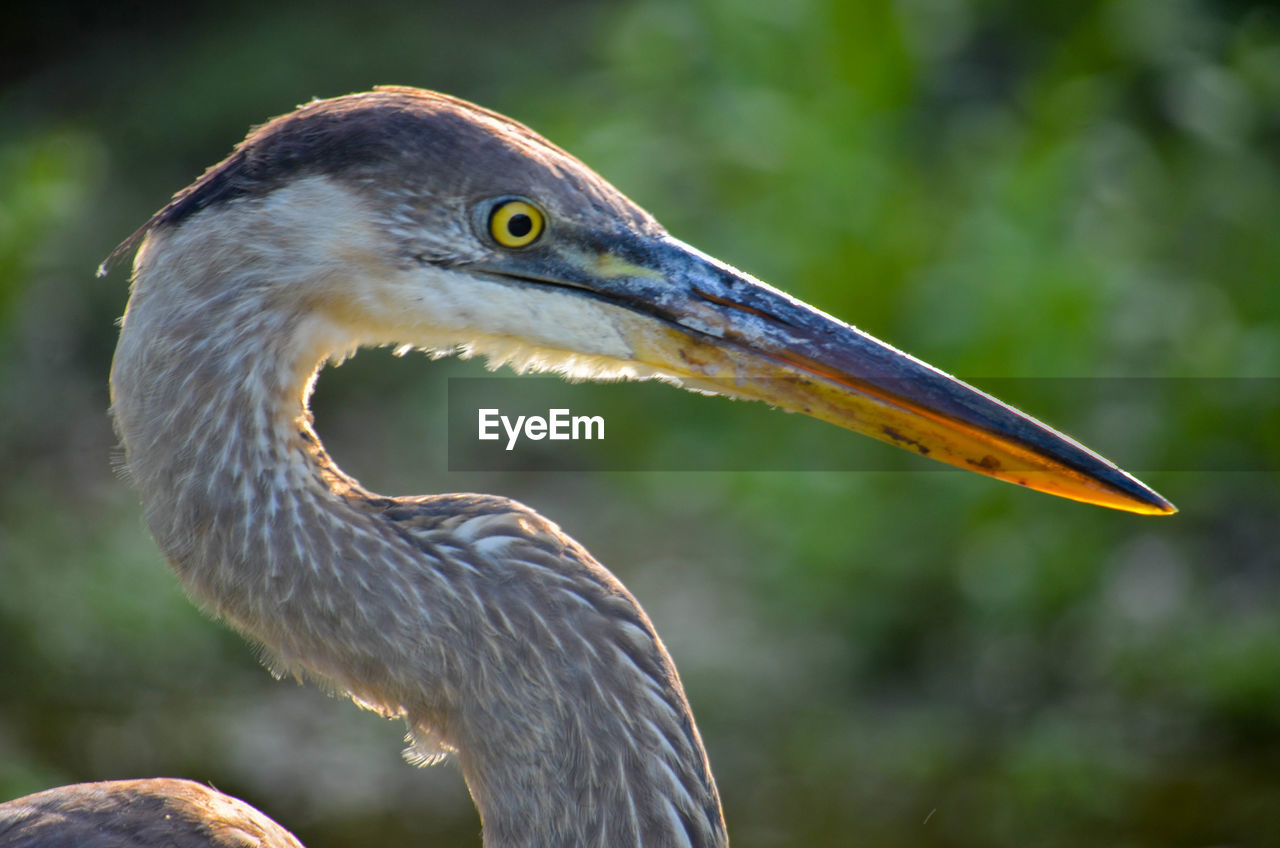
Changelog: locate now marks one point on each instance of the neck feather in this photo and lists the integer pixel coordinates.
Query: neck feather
(492, 633)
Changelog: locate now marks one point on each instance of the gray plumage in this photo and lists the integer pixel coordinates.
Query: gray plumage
(152, 813)
(376, 219)
(489, 631)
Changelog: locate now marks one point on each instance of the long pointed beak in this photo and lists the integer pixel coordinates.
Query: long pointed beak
(723, 331)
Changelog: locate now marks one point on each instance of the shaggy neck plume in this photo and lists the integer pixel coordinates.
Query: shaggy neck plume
(493, 634)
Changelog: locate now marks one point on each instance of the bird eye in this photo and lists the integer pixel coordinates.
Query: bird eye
(516, 223)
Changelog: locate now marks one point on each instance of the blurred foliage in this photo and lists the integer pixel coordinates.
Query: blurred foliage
(895, 658)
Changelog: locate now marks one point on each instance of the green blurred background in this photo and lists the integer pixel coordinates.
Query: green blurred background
(896, 658)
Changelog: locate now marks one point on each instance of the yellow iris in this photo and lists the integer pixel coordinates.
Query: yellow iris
(516, 223)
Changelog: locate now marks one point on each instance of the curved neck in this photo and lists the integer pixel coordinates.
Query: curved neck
(479, 622)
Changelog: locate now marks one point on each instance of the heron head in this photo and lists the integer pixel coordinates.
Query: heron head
(406, 217)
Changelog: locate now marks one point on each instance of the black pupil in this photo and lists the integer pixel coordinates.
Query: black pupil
(520, 225)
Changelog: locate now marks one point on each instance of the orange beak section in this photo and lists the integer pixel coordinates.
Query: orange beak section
(723, 331)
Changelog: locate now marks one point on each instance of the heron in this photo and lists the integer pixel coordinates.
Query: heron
(410, 218)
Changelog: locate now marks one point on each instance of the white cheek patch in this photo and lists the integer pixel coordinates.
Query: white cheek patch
(539, 315)
(528, 326)
(341, 268)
